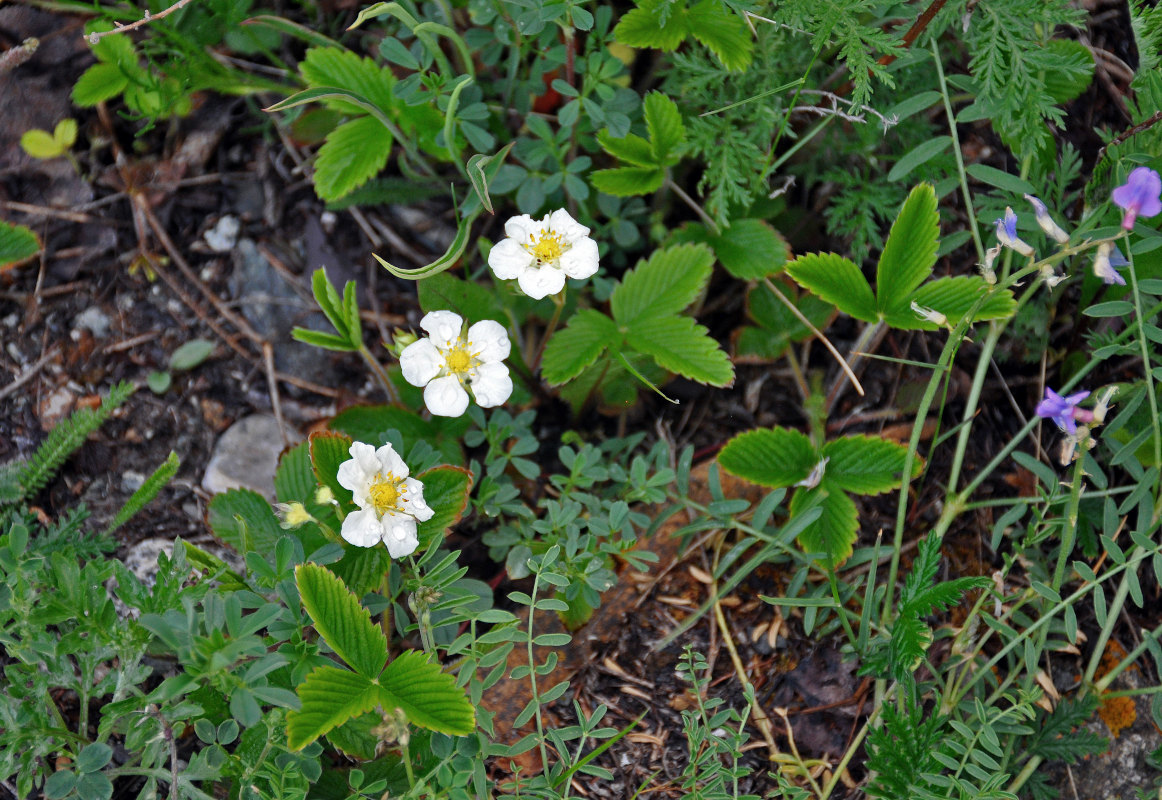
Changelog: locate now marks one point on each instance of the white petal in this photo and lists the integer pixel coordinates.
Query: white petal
(413, 500)
(538, 283)
(420, 361)
(445, 397)
(508, 259)
(523, 228)
(356, 473)
(489, 341)
(399, 534)
(570, 229)
(580, 260)
(491, 384)
(442, 326)
(390, 462)
(362, 528)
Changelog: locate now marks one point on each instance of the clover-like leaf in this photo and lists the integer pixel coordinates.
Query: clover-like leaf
(341, 620)
(576, 347)
(838, 281)
(330, 696)
(428, 695)
(910, 252)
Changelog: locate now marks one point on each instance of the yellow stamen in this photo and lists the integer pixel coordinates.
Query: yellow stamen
(548, 248)
(385, 494)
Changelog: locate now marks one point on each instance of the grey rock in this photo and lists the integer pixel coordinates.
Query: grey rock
(224, 235)
(245, 456)
(96, 320)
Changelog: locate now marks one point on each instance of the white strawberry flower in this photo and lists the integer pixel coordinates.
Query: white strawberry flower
(450, 359)
(541, 254)
(390, 503)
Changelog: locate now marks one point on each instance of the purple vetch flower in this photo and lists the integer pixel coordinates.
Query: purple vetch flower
(1139, 196)
(1064, 410)
(1103, 264)
(1051, 228)
(1007, 233)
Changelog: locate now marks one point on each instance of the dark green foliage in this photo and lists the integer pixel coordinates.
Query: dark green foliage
(903, 749)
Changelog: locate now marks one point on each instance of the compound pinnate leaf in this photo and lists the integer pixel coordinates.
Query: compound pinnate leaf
(330, 696)
(341, 620)
(910, 252)
(576, 347)
(866, 464)
(771, 457)
(681, 345)
(668, 282)
(428, 695)
(838, 281)
(834, 533)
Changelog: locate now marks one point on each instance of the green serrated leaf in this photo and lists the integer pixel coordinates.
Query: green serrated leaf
(576, 347)
(771, 457)
(631, 149)
(628, 181)
(244, 520)
(99, 83)
(866, 464)
(654, 23)
(16, 243)
(353, 154)
(294, 480)
(341, 620)
(446, 493)
(328, 451)
(838, 281)
(723, 32)
(362, 569)
(428, 695)
(750, 249)
(668, 282)
(681, 345)
(834, 533)
(777, 326)
(470, 300)
(339, 68)
(330, 696)
(910, 252)
(326, 341)
(954, 297)
(664, 123)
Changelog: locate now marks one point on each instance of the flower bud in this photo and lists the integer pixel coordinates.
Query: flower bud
(1051, 228)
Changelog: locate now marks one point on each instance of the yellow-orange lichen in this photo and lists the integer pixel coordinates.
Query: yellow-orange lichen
(1118, 713)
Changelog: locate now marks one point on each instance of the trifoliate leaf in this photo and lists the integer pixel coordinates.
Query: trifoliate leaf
(341, 620)
(628, 181)
(866, 464)
(16, 243)
(910, 252)
(668, 282)
(576, 347)
(771, 457)
(837, 280)
(834, 533)
(330, 696)
(664, 123)
(428, 695)
(681, 345)
(353, 154)
(722, 32)
(338, 68)
(750, 249)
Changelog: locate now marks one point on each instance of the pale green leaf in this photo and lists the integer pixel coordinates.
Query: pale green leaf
(428, 695)
(65, 133)
(98, 83)
(750, 249)
(910, 252)
(628, 181)
(771, 457)
(644, 26)
(341, 620)
(41, 144)
(631, 148)
(723, 32)
(576, 347)
(866, 464)
(339, 68)
(668, 282)
(191, 354)
(664, 123)
(16, 243)
(353, 154)
(837, 280)
(834, 533)
(330, 696)
(954, 297)
(1000, 179)
(680, 345)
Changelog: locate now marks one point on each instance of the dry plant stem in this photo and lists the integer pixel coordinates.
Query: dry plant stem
(272, 385)
(818, 334)
(761, 721)
(96, 36)
(697, 209)
(28, 374)
(868, 342)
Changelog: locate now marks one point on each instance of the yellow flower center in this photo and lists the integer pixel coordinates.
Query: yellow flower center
(458, 360)
(385, 494)
(548, 248)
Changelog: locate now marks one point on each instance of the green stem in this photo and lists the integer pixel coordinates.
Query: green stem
(559, 303)
(1151, 393)
(972, 223)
